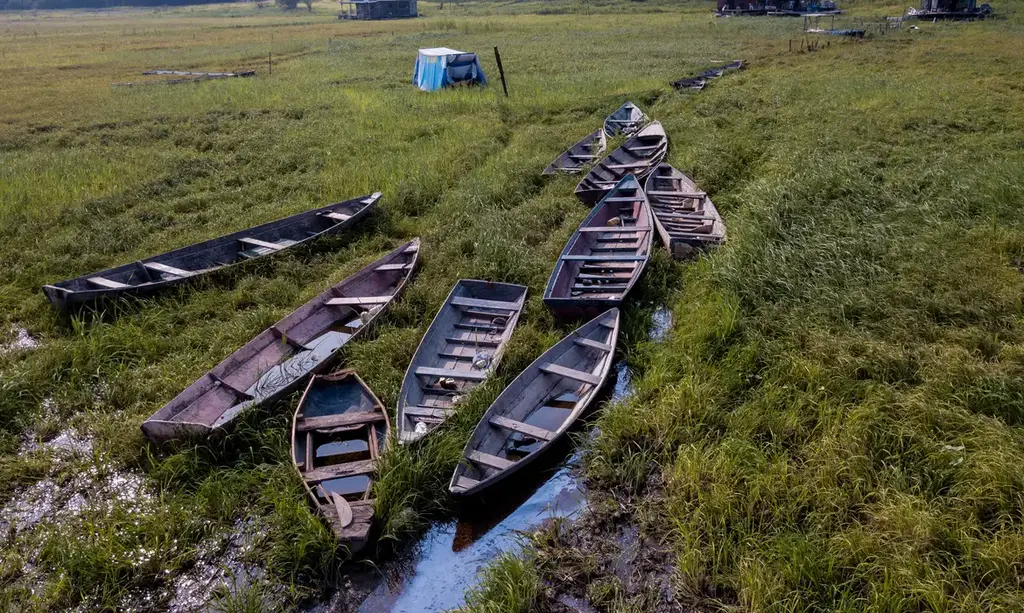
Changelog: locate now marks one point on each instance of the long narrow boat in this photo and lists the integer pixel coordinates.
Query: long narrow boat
(605, 256)
(626, 120)
(579, 155)
(684, 216)
(460, 350)
(637, 156)
(539, 406)
(159, 272)
(339, 430)
(282, 356)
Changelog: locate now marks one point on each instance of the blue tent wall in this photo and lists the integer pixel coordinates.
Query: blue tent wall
(441, 67)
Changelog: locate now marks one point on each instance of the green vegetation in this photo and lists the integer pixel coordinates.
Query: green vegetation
(832, 424)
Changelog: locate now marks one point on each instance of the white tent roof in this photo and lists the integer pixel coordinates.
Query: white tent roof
(440, 51)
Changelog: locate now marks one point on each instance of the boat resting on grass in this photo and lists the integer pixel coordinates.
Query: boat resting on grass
(605, 256)
(637, 156)
(339, 431)
(159, 272)
(684, 216)
(627, 119)
(591, 148)
(277, 361)
(539, 406)
(460, 350)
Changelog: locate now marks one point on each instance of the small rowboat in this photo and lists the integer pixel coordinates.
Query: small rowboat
(148, 276)
(339, 431)
(539, 406)
(579, 155)
(277, 361)
(698, 82)
(626, 120)
(605, 256)
(684, 216)
(637, 156)
(460, 350)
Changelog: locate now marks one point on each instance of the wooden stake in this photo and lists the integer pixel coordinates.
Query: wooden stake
(270, 62)
(501, 71)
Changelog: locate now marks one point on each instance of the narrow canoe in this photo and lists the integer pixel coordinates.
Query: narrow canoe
(339, 431)
(460, 350)
(605, 256)
(281, 357)
(539, 406)
(698, 82)
(579, 155)
(626, 120)
(684, 216)
(637, 156)
(159, 272)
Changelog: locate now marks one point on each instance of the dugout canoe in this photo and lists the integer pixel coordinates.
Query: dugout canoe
(626, 120)
(684, 216)
(579, 155)
(538, 407)
(339, 431)
(460, 350)
(278, 360)
(605, 256)
(150, 275)
(637, 156)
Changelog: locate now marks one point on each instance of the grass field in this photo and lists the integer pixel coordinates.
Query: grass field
(833, 423)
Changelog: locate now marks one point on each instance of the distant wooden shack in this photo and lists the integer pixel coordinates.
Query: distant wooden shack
(377, 9)
(951, 9)
(777, 7)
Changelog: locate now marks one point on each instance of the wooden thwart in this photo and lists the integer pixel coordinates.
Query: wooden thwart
(479, 303)
(171, 270)
(255, 242)
(435, 412)
(108, 283)
(540, 434)
(348, 469)
(336, 216)
(487, 459)
(334, 421)
(359, 300)
(465, 375)
(571, 373)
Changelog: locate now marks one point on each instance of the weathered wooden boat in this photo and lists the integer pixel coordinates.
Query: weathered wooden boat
(579, 155)
(281, 357)
(460, 350)
(696, 83)
(684, 216)
(339, 430)
(539, 406)
(700, 81)
(637, 156)
(605, 256)
(626, 120)
(159, 272)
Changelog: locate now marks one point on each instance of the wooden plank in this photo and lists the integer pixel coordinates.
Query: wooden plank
(627, 166)
(334, 421)
(571, 373)
(612, 230)
(607, 288)
(479, 457)
(255, 242)
(482, 342)
(678, 194)
(386, 267)
(603, 258)
(583, 156)
(478, 303)
(588, 342)
(465, 483)
(488, 327)
(465, 375)
(336, 216)
(171, 270)
(454, 356)
(625, 199)
(107, 283)
(335, 471)
(541, 434)
(359, 300)
(609, 276)
(434, 412)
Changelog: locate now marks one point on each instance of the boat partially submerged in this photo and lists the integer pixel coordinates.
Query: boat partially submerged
(605, 256)
(627, 119)
(590, 148)
(339, 431)
(539, 407)
(686, 219)
(460, 350)
(637, 156)
(159, 272)
(282, 356)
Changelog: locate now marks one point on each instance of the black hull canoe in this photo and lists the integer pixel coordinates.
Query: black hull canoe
(637, 156)
(581, 154)
(460, 350)
(277, 361)
(684, 216)
(538, 407)
(628, 119)
(339, 431)
(151, 275)
(605, 256)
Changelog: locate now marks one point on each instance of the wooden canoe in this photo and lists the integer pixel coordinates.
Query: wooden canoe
(605, 256)
(698, 82)
(159, 272)
(581, 154)
(637, 156)
(627, 120)
(684, 216)
(339, 431)
(539, 406)
(460, 350)
(278, 360)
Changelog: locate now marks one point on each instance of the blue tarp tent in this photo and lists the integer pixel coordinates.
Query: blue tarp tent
(443, 67)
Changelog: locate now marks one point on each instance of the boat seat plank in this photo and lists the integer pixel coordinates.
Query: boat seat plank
(612, 230)
(465, 483)
(678, 194)
(603, 258)
(333, 421)
(482, 342)
(164, 268)
(386, 267)
(624, 199)
(336, 216)
(359, 300)
(540, 434)
(467, 375)
(479, 303)
(453, 356)
(348, 469)
(627, 166)
(487, 327)
(435, 412)
(589, 342)
(570, 373)
(107, 283)
(479, 457)
(583, 156)
(255, 242)
(641, 147)
(610, 276)
(607, 288)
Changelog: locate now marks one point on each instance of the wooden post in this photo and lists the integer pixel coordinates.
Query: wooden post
(501, 71)
(270, 62)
